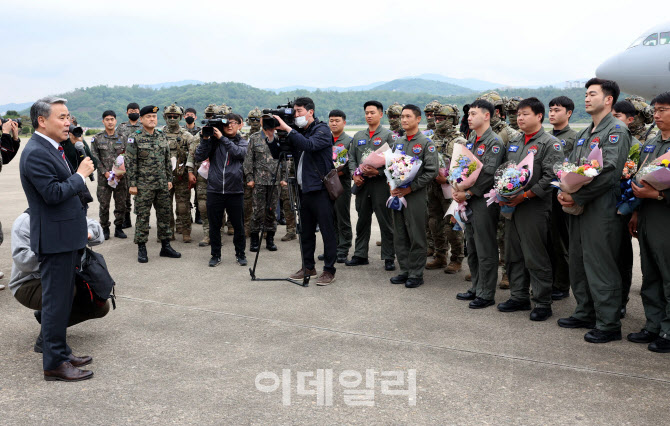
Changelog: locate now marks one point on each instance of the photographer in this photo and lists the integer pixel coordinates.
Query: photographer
(9, 146)
(225, 183)
(76, 134)
(312, 147)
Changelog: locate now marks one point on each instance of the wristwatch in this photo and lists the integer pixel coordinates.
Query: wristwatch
(467, 195)
(661, 196)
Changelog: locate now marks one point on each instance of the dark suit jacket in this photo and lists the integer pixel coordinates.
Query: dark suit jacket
(57, 216)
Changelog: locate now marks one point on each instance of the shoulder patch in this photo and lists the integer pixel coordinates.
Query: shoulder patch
(618, 126)
(563, 142)
(614, 138)
(513, 148)
(138, 132)
(361, 142)
(131, 140)
(649, 148)
(431, 148)
(557, 147)
(581, 142)
(399, 146)
(496, 149)
(469, 145)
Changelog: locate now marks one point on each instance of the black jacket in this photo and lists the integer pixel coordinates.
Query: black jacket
(316, 142)
(226, 157)
(8, 148)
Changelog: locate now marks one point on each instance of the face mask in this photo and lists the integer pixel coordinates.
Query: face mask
(133, 116)
(443, 126)
(172, 122)
(394, 123)
(189, 120)
(255, 126)
(301, 121)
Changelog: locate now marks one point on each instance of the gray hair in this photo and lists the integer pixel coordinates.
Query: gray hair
(42, 108)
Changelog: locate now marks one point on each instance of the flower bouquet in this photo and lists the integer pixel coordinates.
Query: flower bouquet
(400, 172)
(463, 173)
(444, 171)
(340, 157)
(627, 200)
(573, 176)
(374, 159)
(117, 172)
(657, 173)
(510, 179)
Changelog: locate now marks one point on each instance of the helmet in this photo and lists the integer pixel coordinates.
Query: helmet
(395, 109)
(254, 119)
(449, 111)
(492, 97)
(173, 109)
(225, 109)
(432, 106)
(644, 111)
(511, 104)
(212, 109)
(255, 113)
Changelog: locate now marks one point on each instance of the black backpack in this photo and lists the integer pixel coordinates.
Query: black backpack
(93, 278)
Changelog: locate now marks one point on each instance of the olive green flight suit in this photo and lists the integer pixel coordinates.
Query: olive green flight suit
(595, 235)
(409, 224)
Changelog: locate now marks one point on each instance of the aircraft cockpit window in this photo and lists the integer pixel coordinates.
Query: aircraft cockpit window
(636, 42)
(665, 38)
(652, 40)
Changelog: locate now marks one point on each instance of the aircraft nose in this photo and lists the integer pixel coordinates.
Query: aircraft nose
(610, 69)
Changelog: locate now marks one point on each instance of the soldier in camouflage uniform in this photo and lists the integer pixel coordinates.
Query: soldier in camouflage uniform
(201, 183)
(430, 109)
(259, 170)
(182, 144)
(393, 113)
(511, 105)
(254, 122)
(287, 169)
(190, 117)
(645, 115)
(149, 174)
(125, 129)
(441, 228)
(106, 146)
(506, 134)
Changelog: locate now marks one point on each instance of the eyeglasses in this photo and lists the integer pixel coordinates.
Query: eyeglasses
(661, 109)
(231, 123)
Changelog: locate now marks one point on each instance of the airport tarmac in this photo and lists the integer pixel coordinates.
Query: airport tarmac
(189, 344)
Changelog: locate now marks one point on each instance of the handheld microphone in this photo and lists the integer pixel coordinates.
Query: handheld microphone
(79, 146)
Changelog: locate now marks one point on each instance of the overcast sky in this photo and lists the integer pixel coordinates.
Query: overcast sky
(65, 45)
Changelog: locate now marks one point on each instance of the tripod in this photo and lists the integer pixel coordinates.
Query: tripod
(294, 201)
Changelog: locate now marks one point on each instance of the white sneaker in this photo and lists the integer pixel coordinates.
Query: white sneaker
(2, 287)
(2, 275)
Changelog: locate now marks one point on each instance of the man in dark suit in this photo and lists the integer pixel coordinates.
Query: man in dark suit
(58, 230)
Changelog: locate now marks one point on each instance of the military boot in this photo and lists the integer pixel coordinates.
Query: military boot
(105, 232)
(429, 252)
(290, 235)
(254, 242)
(168, 251)
(187, 236)
(504, 282)
(204, 242)
(118, 233)
(439, 262)
(126, 221)
(198, 219)
(453, 267)
(270, 241)
(142, 253)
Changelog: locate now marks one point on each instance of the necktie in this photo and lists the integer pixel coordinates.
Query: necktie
(62, 153)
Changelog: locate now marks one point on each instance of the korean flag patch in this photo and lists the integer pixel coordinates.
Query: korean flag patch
(513, 148)
(580, 142)
(496, 149)
(361, 142)
(469, 146)
(417, 149)
(399, 146)
(614, 138)
(481, 149)
(649, 148)
(131, 140)
(431, 148)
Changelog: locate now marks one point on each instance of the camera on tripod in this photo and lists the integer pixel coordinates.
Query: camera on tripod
(285, 112)
(16, 120)
(76, 130)
(208, 125)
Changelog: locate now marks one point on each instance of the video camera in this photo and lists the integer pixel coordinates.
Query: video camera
(76, 130)
(16, 120)
(285, 112)
(208, 125)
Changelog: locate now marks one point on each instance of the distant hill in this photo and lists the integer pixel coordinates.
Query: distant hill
(171, 84)
(470, 83)
(420, 85)
(14, 107)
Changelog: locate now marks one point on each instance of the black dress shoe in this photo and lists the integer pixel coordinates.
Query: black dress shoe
(389, 265)
(399, 279)
(214, 261)
(468, 295)
(540, 314)
(355, 261)
(341, 258)
(321, 257)
(572, 322)
(118, 233)
(80, 361)
(513, 305)
(413, 282)
(480, 303)
(661, 345)
(600, 336)
(66, 372)
(559, 295)
(643, 336)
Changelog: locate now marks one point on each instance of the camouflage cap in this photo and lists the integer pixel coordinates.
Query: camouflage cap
(511, 104)
(643, 109)
(225, 109)
(255, 113)
(173, 109)
(493, 97)
(395, 109)
(212, 109)
(432, 106)
(448, 111)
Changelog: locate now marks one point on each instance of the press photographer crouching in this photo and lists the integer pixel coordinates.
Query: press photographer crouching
(311, 144)
(225, 149)
(26, 280)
